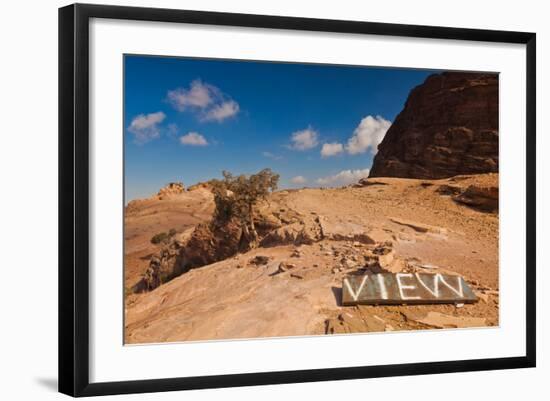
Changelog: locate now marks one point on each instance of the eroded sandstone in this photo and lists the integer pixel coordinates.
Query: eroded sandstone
(449, 126)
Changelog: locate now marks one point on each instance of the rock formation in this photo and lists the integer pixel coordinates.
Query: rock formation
(211, 242)
(173, 188)
(203, 245)
(199, 185)
(482, 194)
(449, 126)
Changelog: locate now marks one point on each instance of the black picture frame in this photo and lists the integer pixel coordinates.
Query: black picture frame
(74, 198)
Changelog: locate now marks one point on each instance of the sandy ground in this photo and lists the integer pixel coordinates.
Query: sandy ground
(238, 299)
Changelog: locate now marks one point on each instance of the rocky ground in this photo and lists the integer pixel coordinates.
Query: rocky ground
(291, 285)
(146, 217)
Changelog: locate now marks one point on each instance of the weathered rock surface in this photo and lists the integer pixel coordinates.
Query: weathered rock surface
(407, 225)
(449, 126)
(295, 233)
(211, 242)
(203, 245)
(341, 230)
(365, 182)
(480, 197)
(443, 321)
(481, 194)
(145, 218)
(199, 185)
(173, 188)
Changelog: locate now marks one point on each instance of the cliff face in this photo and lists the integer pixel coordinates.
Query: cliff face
(449, 126)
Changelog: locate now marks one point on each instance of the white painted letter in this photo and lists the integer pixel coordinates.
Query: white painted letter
(354, 294)
(382, 285)
(458, 291)
(435, 291)
(404, 287)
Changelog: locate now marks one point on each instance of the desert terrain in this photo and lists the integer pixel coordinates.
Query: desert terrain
(291, 284)
(144, 218)
(222, 260)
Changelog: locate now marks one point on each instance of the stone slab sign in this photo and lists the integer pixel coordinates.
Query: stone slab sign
(405, 288)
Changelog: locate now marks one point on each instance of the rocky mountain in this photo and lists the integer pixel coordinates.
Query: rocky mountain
(449, 126)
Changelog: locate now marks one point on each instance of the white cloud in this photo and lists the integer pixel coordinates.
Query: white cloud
(221, 111)
(331, 149)
(146, 127)
(271, 156)
(368, 134)
(193, 139)
(344, 177)
(298, 180)
(198, 95)
(304, 139)
(208, 101)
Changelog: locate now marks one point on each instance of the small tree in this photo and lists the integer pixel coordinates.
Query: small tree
(236, 197)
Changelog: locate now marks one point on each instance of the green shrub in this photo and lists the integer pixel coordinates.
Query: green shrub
(158, 238)
(163, 237)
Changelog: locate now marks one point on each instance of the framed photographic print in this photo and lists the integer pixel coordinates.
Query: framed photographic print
(279, 199)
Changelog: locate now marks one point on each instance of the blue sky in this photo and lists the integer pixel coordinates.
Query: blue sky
(316, 125)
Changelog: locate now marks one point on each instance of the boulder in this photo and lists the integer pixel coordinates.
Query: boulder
(295, 233)
(385, 255)
(484, 198)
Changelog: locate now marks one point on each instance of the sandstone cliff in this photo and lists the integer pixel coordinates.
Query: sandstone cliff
(449, 126)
